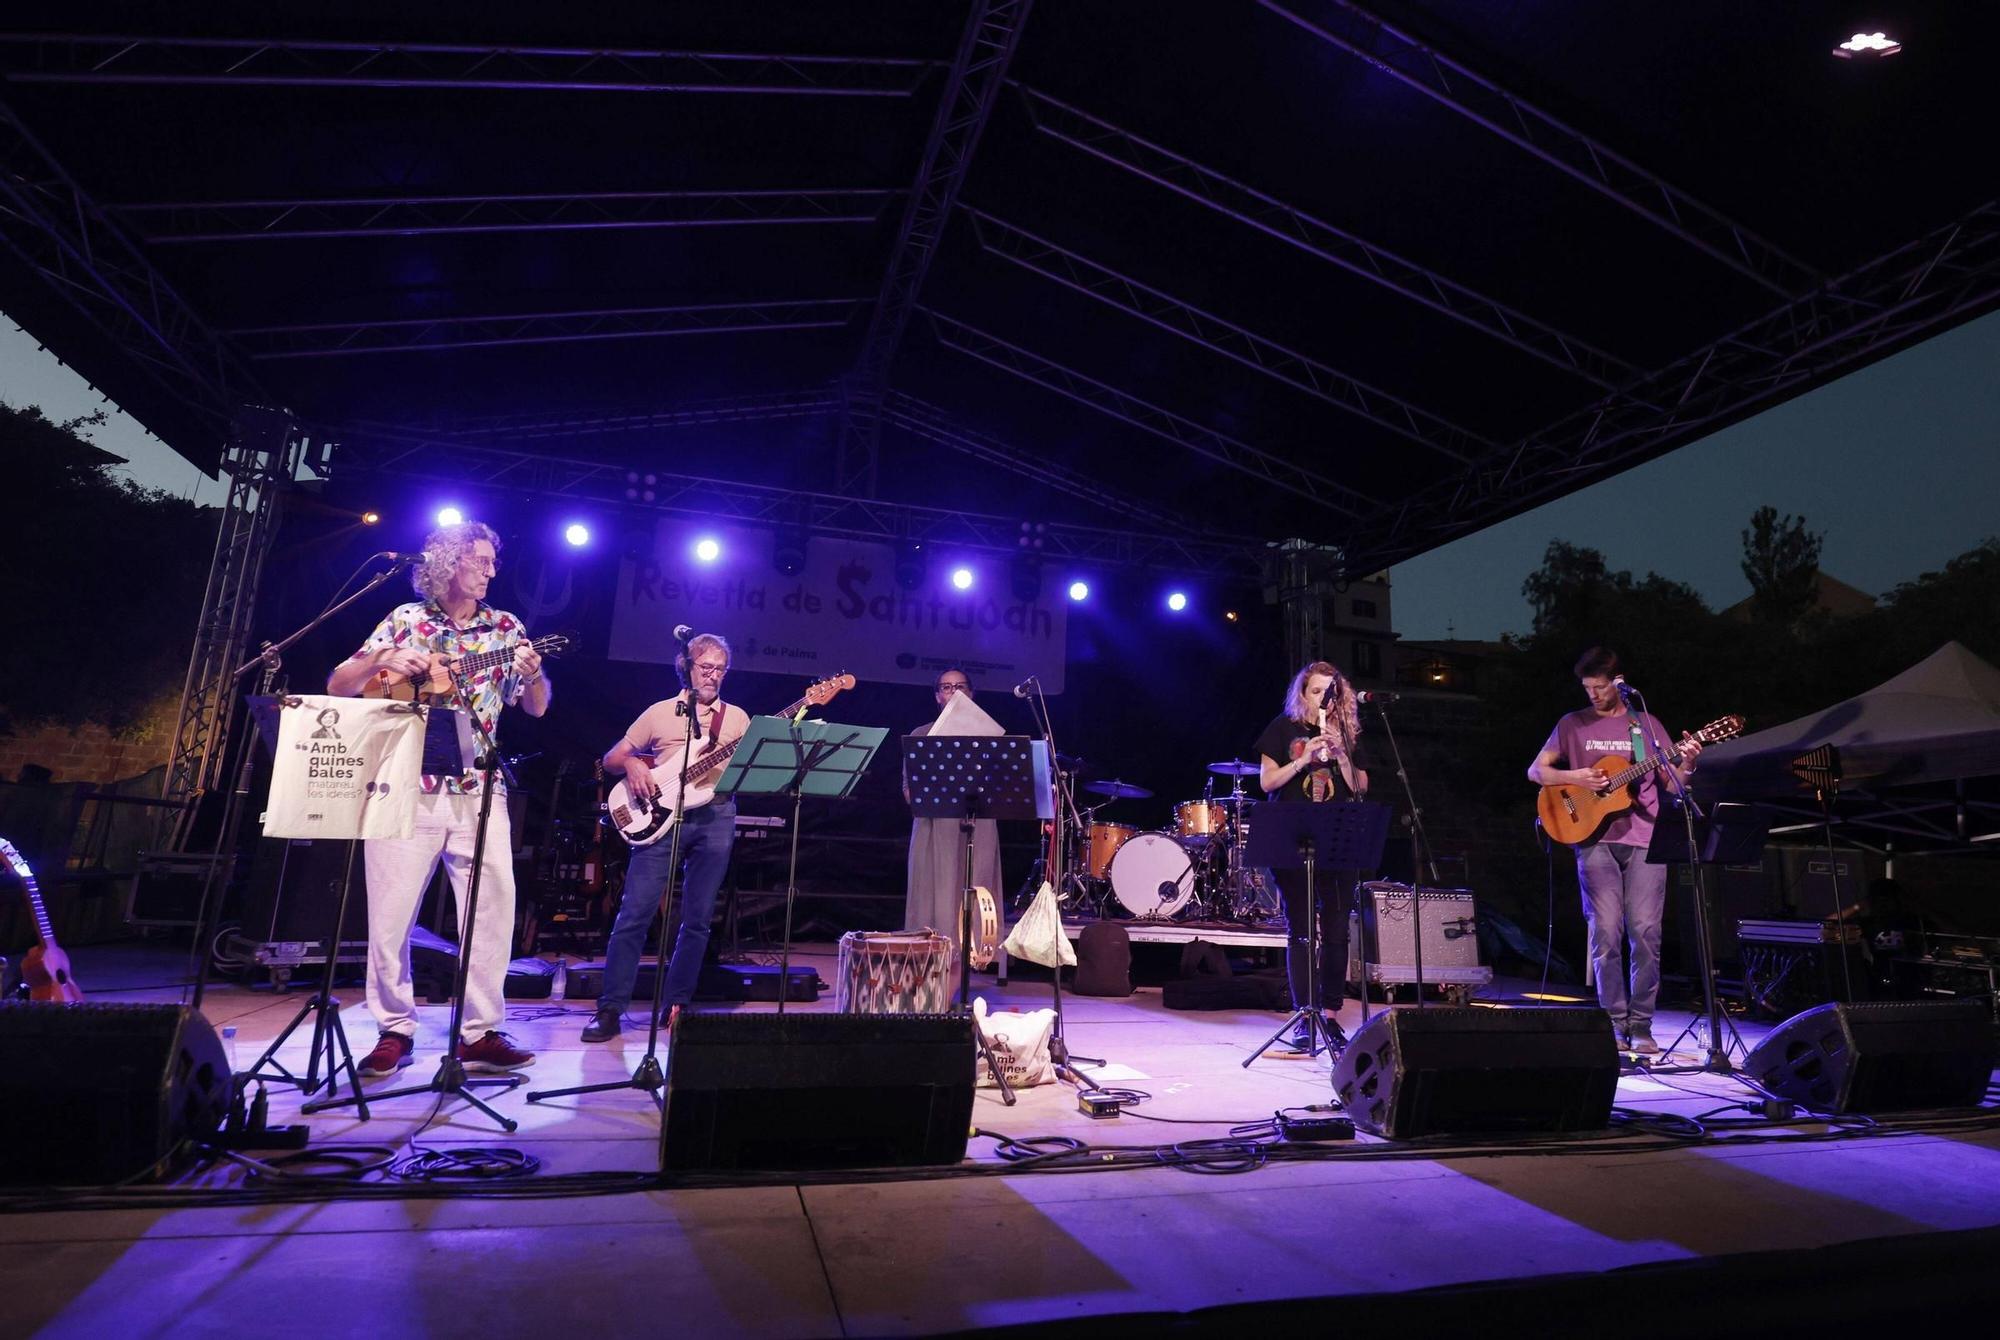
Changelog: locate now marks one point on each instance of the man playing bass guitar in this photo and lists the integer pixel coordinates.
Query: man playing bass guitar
(706, 833)
(1623, 897)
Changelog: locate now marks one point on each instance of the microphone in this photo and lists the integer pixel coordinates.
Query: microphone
(1026, 686)
(395, 557)
(1326, 699)
(1624, 690)
(1364, 696)
(682, 632)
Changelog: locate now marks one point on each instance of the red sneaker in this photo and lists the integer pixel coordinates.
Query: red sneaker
(495, 1051)
(392, 1053)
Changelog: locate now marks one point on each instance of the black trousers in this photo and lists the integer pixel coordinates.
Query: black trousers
(1334, 892)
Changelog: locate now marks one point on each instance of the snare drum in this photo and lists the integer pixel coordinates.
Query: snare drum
(1105, 840)
(1151, 875)
(1200, 820)
(893, 972)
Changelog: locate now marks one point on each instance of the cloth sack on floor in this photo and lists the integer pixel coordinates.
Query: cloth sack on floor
(1020, 1044)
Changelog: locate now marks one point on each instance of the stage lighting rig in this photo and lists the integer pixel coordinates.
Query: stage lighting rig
(1867, 45)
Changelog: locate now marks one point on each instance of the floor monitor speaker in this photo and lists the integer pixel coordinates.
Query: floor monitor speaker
(800, 1091)
(1468, 1070)
(1879, 1056)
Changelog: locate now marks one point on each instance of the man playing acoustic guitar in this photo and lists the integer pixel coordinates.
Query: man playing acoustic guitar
(451, 620)
(657, 740)
(1623, 896)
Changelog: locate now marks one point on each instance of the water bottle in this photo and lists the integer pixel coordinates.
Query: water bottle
(229, 1045)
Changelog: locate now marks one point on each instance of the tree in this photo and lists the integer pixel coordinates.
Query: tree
(1781, 561)
(106, 580)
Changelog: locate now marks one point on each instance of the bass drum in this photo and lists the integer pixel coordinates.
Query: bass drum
(1151, 875)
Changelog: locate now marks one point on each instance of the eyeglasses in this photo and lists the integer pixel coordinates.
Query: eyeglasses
(478, 564)
(716, 668)
(954, 688)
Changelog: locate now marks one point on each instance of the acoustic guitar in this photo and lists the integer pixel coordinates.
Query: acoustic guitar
(436, 681)
(1573, 815)
(643, 822)
(45, 968)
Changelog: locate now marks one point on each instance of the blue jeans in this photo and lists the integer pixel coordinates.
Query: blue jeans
(1623, 900)
(706, 836)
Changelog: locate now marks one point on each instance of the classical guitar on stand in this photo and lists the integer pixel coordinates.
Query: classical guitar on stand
(1573, 815)
(643, 822)
(45, 968)
(436, 682)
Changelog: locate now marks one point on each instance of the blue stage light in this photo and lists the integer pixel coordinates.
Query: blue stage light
(1079, 591)
(1177, 601)
(577, 534)
(708, 549)
(962, 578)
(450, 516)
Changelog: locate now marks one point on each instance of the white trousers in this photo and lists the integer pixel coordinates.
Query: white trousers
(400, 869)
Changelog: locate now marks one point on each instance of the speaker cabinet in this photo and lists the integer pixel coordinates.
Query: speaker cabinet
(295, 888)
(1448, 1070)
(798, 1091)
(93, 1094)
(1885, 1056)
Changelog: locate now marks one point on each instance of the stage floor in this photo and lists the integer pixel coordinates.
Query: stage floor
(922, 1254)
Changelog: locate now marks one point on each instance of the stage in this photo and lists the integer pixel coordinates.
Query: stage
(920, 1252)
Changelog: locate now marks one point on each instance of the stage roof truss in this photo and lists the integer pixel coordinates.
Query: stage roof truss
(345, 338)
(1218, 335)
(972, 87)
(167, 222)
(1917, 290)
(90, 58)
(1354, 29)
(1267, 214)
(1108, 400)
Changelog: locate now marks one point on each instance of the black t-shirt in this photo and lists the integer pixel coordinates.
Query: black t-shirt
(1320, 783)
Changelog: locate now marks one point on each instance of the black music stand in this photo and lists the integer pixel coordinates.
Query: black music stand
(1341, 835)
(1729, 834)
(784, 756)
(451, 1078)
(972, 777)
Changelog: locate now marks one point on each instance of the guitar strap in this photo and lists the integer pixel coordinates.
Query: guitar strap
(1638, 743)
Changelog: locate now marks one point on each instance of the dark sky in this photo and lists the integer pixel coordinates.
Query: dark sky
(1898, 465)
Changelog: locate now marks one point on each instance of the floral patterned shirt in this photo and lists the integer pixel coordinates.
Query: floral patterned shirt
(421, 623)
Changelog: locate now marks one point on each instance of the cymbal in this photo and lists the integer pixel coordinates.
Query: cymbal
(1235, 767)
(1124, 790)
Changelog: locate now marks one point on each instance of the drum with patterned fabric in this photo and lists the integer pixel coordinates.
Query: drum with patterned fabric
(893, 972)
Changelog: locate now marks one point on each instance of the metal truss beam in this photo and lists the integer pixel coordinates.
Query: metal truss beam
(259, 460)
(1357, 31)
(922, 419)
(340, 339)
(91, 58)
(1911, 294)
(476, 467)
(1301, 371)
(978, 72)
(1254, 209)
(61, 234)
(1109, 400)
(499, 429)
(166, 222)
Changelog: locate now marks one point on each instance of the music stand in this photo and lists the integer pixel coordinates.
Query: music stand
(972, 777)
(1729, 834)
(1342, 835)
(781, 756)
(329, 1034)
(451, 1078)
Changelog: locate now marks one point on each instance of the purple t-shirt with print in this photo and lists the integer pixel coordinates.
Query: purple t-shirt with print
(1583, 736)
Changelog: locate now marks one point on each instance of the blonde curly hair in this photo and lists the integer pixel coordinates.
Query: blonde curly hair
(1344, 717)
(444, 549)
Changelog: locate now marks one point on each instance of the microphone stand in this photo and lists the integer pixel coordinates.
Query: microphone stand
(1717, 1059)
(647, 1076)
(1421, 863)
(1059, 1052)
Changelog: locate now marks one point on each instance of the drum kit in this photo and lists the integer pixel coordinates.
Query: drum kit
(1192, 870)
